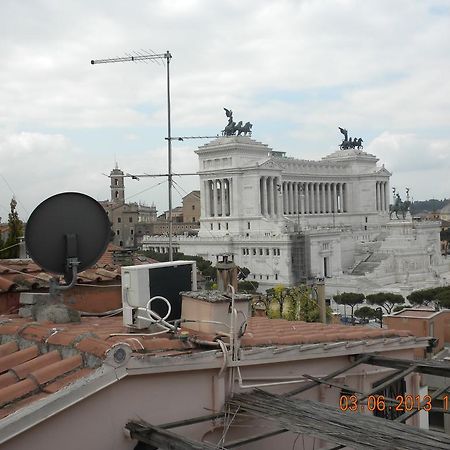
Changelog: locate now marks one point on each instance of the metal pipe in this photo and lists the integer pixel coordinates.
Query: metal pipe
(169, 155)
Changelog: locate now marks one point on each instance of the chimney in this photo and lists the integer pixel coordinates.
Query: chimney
(210, 311)
(226, 273)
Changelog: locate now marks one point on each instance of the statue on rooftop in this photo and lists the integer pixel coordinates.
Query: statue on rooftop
(349, 143)
(232, 128)
(399, 206)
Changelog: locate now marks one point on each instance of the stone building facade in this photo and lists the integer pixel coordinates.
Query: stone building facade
(129, 220)
(288, 219)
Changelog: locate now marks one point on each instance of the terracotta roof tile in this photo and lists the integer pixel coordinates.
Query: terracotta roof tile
(35, 332)
(7, 379)
(19, 404)
(8, 348)
(265, 331)
(16, 358)
(7, 285)
(55, 370)
(17, 390)
(67, 380)
(22, 370)
(95, 346)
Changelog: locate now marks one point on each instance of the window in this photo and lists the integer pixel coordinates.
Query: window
(121, 243)
(260, 277)
(193, 207)
(211, 226)
(193, 219)
(130, 219)
(267, 277)
(267, 252)
(254, 251)
(226, 225)
(116, 182)
(243, 251)
(119, 220)
(278, 252)
(218, 225)
(248, 225)
(276, 276)
(274, 252)
(131, 231)
(366, 219)
(117, 194)
(260, 251)
(118, 232)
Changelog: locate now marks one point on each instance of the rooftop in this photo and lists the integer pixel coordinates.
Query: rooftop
(38, 360)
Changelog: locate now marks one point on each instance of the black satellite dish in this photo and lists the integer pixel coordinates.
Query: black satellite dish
(67, 233)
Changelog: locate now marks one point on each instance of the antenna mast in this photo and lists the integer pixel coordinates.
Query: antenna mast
(155, 56)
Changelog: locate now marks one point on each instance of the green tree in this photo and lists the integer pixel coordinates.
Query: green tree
(423, 296)
(349, 299)
(15, 232)
(302, 306)
(443, 298)
(278, 294)
(387, 300)
(366, 312)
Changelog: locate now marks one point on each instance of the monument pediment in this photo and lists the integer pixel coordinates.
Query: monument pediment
(384, 171)
(269, 164)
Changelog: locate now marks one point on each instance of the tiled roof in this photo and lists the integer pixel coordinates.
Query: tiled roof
(40, 359)
(265, 331)
(24, 275)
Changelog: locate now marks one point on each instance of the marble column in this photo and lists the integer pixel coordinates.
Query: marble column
(294, 198)
(322, 198)
(344, 197)
(264, 195)
(222, 197)
(307, 198)
(302, 198)
(284, 197)
(377, 195)
(272, 196)
(215, 205)
(383, 200)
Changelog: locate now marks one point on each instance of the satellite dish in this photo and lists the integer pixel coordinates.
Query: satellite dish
(67, 233)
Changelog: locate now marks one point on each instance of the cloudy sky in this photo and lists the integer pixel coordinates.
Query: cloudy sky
(296, 69)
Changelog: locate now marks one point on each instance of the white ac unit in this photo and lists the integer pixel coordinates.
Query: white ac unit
(144, 285)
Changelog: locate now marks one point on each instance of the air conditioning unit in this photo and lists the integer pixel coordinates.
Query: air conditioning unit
(154, 286)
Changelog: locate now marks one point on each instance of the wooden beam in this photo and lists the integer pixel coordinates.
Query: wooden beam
(422, 366)
(312, 384)
(405, 416)
(398, 376)
(183, 423)
(164, 439)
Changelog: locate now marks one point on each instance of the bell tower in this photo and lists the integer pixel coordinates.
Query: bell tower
(117, 186)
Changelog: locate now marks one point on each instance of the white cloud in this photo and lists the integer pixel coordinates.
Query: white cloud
(296, 69)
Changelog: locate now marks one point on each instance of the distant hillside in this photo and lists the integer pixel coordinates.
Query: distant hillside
(428, 205)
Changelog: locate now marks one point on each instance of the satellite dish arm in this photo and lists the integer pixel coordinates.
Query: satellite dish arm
(72, 263)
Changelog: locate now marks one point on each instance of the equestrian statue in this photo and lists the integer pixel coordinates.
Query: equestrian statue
(399, 206)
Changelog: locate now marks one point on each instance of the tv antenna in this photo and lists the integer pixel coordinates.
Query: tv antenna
(156, 57)
(66, 234)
